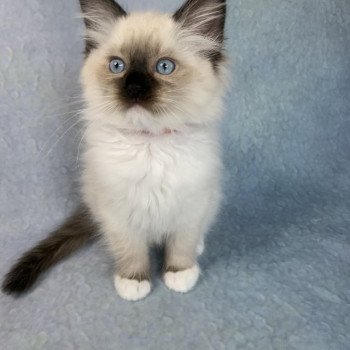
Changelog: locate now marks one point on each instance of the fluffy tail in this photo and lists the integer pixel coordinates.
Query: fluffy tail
(73, 234)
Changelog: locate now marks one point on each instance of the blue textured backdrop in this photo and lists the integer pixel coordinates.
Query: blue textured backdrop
(276, 273)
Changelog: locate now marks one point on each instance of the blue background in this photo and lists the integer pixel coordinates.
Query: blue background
(276, 272)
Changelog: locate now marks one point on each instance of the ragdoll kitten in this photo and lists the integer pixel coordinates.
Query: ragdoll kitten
(153, 85)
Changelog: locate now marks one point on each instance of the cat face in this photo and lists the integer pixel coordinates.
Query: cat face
(151, 70)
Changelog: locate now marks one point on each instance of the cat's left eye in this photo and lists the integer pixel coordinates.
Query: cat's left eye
(116, 65)
(165, 66)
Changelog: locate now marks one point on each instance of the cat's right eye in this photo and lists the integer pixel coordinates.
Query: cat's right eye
(116, 65)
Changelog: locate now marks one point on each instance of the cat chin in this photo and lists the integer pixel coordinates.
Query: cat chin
(138, 111)
(140, 120)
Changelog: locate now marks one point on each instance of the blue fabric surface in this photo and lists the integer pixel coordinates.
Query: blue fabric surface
(276, 272)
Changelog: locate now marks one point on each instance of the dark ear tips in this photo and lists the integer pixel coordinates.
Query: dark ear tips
(97, 14)
(204, 17)
(110, 7)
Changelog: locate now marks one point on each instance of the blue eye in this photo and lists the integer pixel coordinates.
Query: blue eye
(165, 66)
(117, 65)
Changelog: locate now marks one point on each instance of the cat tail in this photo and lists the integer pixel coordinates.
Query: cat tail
(77, 231)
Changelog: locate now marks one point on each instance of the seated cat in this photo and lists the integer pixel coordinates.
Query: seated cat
(153, 86)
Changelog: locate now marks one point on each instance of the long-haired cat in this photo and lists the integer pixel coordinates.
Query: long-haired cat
(153, 85)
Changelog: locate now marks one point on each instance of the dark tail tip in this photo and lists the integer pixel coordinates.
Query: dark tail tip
(74, 233)
(19, 279)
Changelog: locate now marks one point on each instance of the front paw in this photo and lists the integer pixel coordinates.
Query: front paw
(131, 289)
(182, 281)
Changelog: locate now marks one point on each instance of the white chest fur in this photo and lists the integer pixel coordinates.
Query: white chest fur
(153, 184)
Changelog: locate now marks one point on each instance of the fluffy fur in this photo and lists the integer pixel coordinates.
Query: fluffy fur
(152, 167)
(73, 234)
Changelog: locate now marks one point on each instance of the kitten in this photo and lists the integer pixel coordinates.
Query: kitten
(153, 86)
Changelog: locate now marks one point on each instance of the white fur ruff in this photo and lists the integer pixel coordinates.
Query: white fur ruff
(152, 185)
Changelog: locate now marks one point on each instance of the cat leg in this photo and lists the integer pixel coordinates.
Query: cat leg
(181, 268)
(132, 278)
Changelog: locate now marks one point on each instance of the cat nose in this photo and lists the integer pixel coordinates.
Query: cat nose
(134, 90)
(137, 85)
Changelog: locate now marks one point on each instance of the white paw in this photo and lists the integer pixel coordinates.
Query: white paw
(131, 290)
(182, 281)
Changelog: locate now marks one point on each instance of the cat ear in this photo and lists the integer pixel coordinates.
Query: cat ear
(99, 17)
(204, 17)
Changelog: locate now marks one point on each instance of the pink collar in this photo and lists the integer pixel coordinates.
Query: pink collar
(164, 132)
(148, 133)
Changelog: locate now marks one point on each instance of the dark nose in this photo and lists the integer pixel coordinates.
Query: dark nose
(137, 85)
